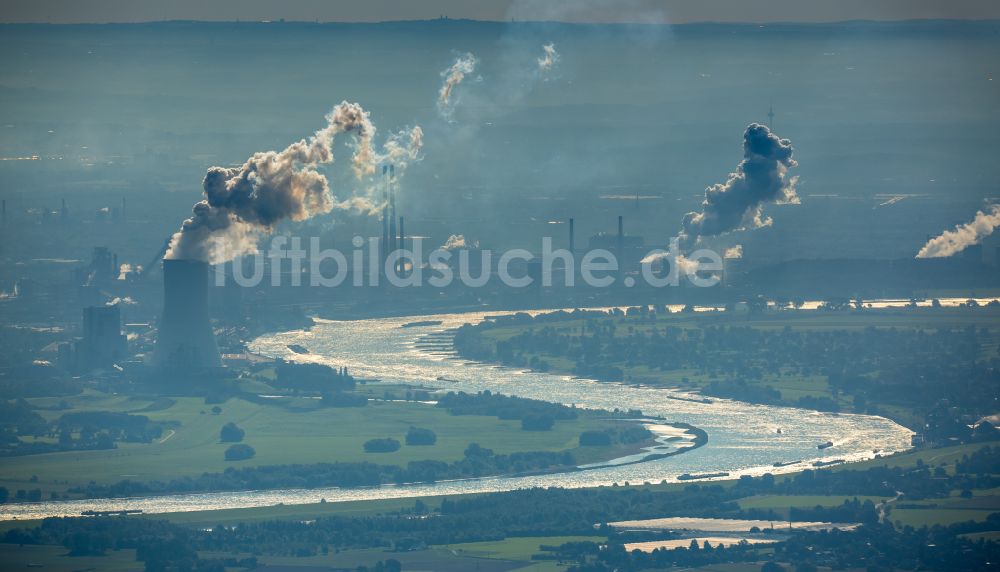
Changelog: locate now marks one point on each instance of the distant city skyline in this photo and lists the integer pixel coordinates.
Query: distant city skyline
(582, 11)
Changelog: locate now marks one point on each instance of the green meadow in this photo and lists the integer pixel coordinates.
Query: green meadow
(287, 430)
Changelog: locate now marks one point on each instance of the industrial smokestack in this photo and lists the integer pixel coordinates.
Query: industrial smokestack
(156, 258)
(402, 244)
(3, 211)
(402, 234)
(621, 245)
(185, 338)
(571, 237)
(392, 207)
(385, 218)
(621, 237)
(123, 209)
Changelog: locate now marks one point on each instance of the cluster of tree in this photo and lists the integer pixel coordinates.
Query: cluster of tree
(555, 512)
(386, 445)
(231, 433)
(390, 565)
(946, 374)
(477, 462)
(344, 399)
(983, 461)
(82, 430)
(120, 426)
(29, 495)
(18, 418)
(239, 452)
(417, 436)
(873, 547)
(158, 544)
(534, 415)
(624, 435)
(312, 377)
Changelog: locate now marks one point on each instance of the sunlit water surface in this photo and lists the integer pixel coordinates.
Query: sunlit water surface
(743, 438)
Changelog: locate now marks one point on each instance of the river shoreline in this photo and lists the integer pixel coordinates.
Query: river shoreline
(743, 441)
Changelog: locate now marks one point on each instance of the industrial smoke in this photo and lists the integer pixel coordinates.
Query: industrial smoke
(964, 235)
(550, 59)
(759, 179)
(242, 203)
(458, 242)
(453, 76)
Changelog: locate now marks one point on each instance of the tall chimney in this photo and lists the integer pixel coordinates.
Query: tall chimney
(384, 244)
(185, 339)
(402, 244)
(571, 237)
(621, 246)
(392, 206)
(123, 209)
(3, 210)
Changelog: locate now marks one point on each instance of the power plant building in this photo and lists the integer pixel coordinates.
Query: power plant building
(103, 344)
(185, 339)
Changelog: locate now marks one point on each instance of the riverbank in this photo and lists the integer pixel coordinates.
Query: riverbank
(788, 357)
(382, 349)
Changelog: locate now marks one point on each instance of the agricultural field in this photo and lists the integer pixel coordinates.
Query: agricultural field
(773, 376)
(496, 556)
(56, 559)
(282, 431)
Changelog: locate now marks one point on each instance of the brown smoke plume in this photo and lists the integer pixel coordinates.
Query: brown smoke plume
(242, 203)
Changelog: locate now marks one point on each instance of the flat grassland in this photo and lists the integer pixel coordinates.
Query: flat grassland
(56, 559)
(793, 385)
(291, 430)
(512, 553)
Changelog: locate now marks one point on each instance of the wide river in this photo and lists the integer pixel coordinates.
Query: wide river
(744, 439)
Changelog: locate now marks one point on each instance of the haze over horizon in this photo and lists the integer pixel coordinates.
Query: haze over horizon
(592, 11)
(513, 285)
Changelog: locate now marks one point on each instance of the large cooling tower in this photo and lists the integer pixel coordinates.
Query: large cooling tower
(186, 339)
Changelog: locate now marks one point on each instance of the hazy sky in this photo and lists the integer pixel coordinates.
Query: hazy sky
(647, 11)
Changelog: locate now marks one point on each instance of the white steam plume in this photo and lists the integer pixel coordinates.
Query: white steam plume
(734, 252)
(124, 270)
(403, 147)
(453, 76)
(954, 241)
(458, 242)
(241, 203)
(683, 264)
(550, 59)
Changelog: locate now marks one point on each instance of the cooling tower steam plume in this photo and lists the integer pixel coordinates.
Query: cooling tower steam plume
(453, 76)
(244, 202)
(550, 59)
(761, 178)
(403, 147)
(954, 241)
(458, 242)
